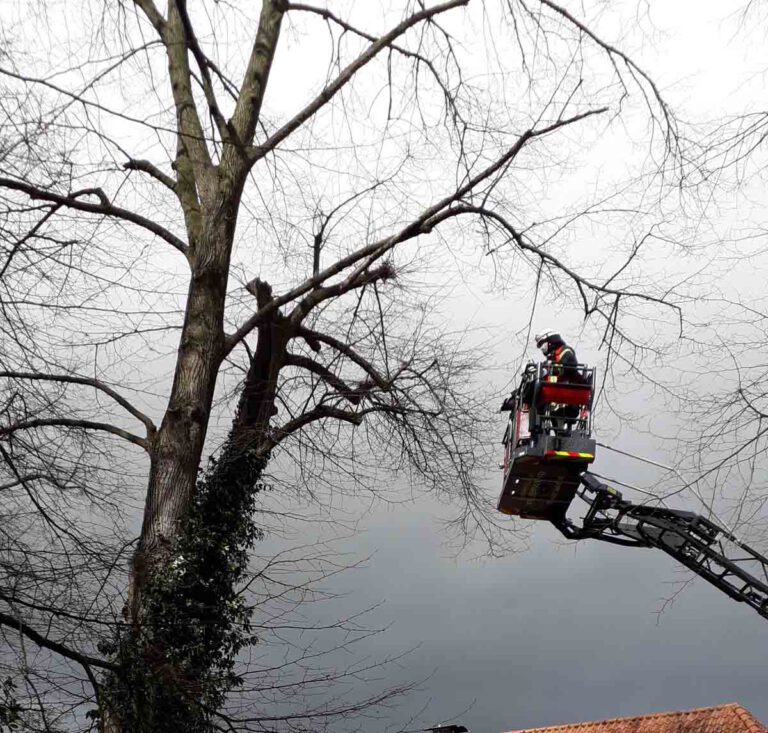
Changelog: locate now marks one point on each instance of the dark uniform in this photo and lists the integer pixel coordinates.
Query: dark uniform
(563, 360)
(564, 368)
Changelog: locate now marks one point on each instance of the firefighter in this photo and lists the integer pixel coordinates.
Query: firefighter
(562, 356)
(556, 351)
(563, 366)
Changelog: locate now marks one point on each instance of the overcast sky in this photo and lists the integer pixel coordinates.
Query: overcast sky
(568, 632)
(561, 632)
(557, 633)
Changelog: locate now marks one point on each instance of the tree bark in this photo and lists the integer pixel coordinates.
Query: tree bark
(178, 445)
(209, 196)
(176, 448)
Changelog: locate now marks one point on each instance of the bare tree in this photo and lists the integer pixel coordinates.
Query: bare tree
(714, 377)
(287, 192)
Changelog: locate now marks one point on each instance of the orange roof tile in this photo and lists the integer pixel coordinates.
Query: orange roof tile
(731, 718)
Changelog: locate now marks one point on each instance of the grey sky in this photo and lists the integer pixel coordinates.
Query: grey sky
(565, 632)
(555, 632)
(561, 632)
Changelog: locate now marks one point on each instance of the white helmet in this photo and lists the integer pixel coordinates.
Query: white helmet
(545, 338)
(545, 335)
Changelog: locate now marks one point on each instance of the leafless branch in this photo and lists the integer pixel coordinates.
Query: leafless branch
(366, 256)
(104, 207)
(148, 167)
(89, 382)
(42, 641)
(78, 424)
(346, 74)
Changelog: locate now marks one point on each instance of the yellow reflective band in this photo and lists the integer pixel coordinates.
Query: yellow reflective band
(569, 454)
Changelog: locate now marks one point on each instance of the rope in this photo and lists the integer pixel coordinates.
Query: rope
(639, 458)
(687, 484)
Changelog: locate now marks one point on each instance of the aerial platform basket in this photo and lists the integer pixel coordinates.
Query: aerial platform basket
(547, 443)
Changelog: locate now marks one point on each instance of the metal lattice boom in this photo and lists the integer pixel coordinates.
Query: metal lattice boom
(693, 540)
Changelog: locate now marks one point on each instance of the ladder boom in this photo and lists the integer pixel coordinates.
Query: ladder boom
(693, 540)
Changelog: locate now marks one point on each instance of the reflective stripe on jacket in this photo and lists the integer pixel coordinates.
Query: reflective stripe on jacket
(560, 353)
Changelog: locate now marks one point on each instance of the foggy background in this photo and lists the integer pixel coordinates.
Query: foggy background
(555, 631)
(566, 632)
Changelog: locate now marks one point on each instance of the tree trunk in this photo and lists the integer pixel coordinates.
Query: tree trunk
(178, 445)
(175, 460)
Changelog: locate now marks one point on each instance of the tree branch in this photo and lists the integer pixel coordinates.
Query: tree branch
(420, 225)
(54, 646)
(202, 63)
(87, 381)
(74, 423)
(31, 233)
(23, 480)
(349, 28)
(631, 66)
(153, 15)
(384, 272)
(319, 236)
(580, 281)
(248, 108)
(192, 144)
(304, 362)
(347, 73)
(147, 167)
(321, 412)
(345, 349)
(193, 161)
(104, 207)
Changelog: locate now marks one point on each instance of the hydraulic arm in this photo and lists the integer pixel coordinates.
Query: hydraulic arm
(695, 541)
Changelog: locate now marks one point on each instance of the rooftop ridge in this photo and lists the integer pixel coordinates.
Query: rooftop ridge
(752, 724)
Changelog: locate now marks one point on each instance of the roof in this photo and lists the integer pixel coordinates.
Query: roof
(731, 718)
